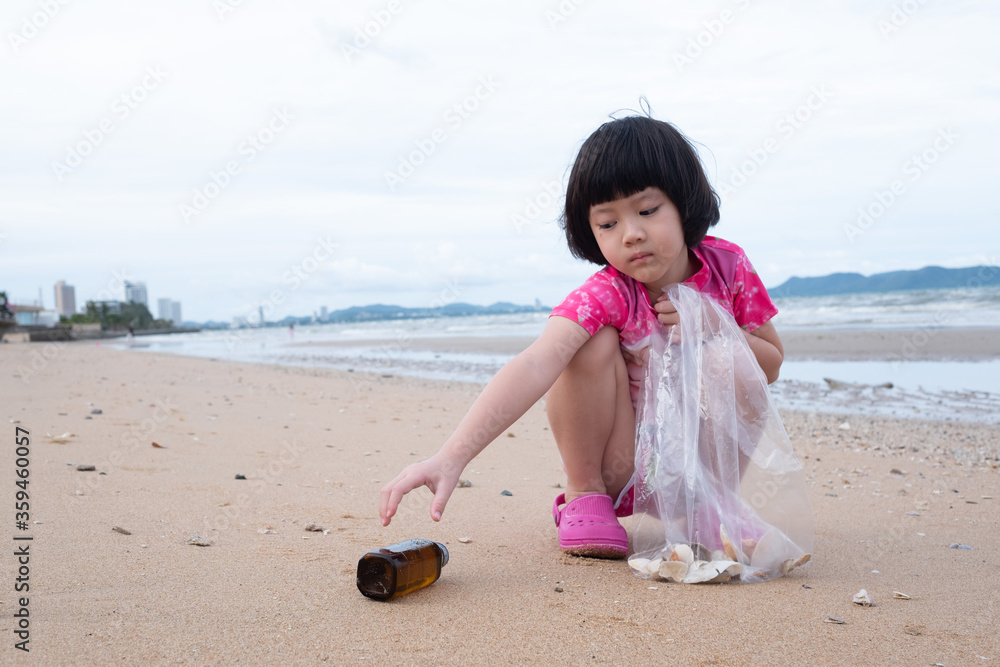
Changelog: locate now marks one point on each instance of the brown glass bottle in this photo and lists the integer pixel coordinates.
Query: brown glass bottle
(400, 568)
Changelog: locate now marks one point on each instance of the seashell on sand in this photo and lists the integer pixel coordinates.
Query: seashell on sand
(673, 570)
(683, 554)
(638, 565)
(900, 596)
(833, 619)
(862, 598)
(199, 541)
(712, 572)
(792, 563)
(645, 567)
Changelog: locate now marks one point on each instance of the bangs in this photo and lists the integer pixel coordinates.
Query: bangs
(622, 164)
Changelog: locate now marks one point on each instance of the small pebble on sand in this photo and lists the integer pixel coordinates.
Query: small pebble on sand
(240, 476)
(85, 467)
(118, 529)
(505, 492)
(198, 541)
(464, 483)
(314, 527)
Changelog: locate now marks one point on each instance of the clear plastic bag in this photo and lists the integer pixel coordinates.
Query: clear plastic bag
(719, 493)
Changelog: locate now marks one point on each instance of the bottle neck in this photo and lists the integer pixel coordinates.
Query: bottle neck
(444, 553)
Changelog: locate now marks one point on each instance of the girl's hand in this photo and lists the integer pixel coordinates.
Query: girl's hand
(438, 473)
(666, 312)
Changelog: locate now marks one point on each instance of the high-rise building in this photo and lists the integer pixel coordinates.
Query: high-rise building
(323, 313)
(163, 309)
(65, 298)
(168, 309)
(135, 292)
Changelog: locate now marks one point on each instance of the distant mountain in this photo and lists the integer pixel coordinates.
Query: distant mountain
(378, 311)
(929, 277)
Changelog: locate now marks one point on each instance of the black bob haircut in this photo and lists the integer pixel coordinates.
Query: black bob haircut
(626, 156)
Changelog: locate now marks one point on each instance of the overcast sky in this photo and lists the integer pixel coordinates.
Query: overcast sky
(311, 154)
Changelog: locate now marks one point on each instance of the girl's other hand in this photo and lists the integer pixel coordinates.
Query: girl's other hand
(437, 473)
(666, 312)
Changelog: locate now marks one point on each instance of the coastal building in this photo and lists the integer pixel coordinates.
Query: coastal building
(168, 309)
(65, 298)
(135, 292)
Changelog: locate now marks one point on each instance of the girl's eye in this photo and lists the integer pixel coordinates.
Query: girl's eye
(606, 225)
(650, 211)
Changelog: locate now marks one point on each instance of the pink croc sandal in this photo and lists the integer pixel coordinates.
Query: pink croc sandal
(588, 527)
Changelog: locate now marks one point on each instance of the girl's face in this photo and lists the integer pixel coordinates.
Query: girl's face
(642, 237)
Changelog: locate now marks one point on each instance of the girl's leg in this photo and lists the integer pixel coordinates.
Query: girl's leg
(591, 416)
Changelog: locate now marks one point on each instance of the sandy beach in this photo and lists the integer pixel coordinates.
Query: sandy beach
(889, 497)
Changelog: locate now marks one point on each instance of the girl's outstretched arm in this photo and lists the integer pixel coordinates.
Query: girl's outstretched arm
(514, 389)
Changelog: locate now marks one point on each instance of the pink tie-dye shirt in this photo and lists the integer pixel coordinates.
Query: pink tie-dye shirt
(609, 298)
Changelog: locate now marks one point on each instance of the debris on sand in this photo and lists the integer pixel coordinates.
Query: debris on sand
(862, 598)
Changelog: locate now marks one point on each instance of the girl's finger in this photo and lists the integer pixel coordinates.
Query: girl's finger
(399, 489)
(441, 497)
(384, 509)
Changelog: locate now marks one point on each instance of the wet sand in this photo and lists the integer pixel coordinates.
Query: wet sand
(317, 445)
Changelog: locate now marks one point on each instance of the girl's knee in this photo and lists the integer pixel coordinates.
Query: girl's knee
(601, 353)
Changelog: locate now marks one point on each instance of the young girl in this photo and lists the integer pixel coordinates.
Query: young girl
(637, 203)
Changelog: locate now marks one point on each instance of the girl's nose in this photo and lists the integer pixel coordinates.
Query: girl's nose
(633, 231)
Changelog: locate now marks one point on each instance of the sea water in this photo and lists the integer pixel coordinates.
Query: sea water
(931, 389)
